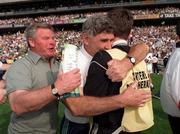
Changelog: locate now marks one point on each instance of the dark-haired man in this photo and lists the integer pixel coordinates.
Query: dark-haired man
(98, 83)
(98, 34)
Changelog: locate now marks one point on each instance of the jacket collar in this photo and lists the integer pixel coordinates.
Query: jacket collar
(120, 42)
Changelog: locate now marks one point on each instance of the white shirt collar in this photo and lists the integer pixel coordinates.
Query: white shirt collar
(120, 41)
(83, 50)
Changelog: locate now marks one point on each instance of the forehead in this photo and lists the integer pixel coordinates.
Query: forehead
(44, 31)
(105, 36)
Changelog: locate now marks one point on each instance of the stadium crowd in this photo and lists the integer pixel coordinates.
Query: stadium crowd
(161, 40)
(79, 18)
(65, 5)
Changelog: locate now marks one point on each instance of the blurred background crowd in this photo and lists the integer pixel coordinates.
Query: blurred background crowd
(161, 38)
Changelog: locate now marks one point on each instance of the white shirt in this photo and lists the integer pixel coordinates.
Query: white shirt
(84, 60)
(170, 86)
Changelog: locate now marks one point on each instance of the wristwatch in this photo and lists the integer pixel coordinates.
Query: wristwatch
(132, 60)
(54, 92)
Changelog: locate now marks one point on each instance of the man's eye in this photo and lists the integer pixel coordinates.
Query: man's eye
(105, 40)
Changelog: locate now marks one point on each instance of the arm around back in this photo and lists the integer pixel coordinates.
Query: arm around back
(117, 69)
(90, 106)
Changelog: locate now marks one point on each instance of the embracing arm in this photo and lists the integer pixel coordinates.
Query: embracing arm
(139, 51)
(117, 69)
(89, 106)
(23, 101)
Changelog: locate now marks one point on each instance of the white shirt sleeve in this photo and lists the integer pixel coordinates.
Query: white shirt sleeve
(174, 77)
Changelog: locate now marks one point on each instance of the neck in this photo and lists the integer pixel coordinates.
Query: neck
(88, 50)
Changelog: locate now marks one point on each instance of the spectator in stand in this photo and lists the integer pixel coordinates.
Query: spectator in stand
(4, 66)
(3, 69)
(155, 64)
(148, 61)
(15, 44)
(165, 60)
(170, 87)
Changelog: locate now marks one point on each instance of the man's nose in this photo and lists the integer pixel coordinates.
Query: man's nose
(109, 45)
(52, 41)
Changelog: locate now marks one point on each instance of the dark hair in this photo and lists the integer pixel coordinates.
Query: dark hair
(122, 20)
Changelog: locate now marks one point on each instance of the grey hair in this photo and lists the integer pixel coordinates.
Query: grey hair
(30, 31)
(97, 24)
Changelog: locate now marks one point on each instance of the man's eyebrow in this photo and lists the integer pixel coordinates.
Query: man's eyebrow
(104, 40)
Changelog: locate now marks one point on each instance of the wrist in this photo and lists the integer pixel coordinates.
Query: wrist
(131, 59)
(128, 64)
(121, 99)
(60, 89)
(55, 91)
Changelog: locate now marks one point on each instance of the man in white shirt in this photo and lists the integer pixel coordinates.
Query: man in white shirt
(170, 87)
(97, 34)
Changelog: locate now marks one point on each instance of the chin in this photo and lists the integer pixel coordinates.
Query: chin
(52, 55)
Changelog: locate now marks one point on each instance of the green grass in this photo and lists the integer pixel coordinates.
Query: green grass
(4, 117)
(161, 125)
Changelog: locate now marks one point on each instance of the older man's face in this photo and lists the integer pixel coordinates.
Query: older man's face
(101, 41)
(44, 43)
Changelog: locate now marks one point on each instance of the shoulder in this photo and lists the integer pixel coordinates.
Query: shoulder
(19, 66)
(102, 56)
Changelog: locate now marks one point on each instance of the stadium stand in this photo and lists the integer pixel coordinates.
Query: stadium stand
(154, 22)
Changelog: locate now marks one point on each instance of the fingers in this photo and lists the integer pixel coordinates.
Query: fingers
(110, 67)
(76, 70)
(60, 72)
(110, 63)
(134, 85)
(68, 81)
(144, 97)
(135, 97)
(141, 105)
(116, 70)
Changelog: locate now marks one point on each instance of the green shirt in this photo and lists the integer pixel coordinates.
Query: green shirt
(30, 73)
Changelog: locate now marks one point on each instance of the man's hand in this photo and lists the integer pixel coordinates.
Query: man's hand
(67, 82)
(133, 97)
(117, 69)
(2, 96)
